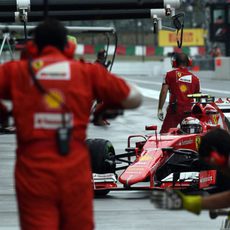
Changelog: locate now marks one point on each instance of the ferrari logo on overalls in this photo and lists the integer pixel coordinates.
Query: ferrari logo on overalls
(178, 74)
(197, 141)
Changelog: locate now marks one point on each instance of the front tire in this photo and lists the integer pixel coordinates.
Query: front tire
(102, 155)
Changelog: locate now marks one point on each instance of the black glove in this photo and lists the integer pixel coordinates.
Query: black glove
(102, 112)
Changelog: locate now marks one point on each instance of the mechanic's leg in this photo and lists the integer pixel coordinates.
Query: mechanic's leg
(77, 200)
(37, 213)
(78, 213)
(170, 121)
(37, 196)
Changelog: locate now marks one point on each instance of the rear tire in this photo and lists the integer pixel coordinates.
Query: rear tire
(102, 158)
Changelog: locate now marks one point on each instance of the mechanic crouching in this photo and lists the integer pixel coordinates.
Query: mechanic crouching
(214, 151)
(52, 97)
(179, 82)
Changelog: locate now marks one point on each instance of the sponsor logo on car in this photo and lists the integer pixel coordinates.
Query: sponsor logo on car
(186, 142)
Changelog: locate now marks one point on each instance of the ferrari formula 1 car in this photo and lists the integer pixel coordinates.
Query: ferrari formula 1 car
(161, 160)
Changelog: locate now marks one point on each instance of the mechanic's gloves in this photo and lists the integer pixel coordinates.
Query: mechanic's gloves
(102, 112)
(160, 115)
(175, 200)
(98, 115)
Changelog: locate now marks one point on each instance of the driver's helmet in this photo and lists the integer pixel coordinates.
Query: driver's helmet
(191, 125)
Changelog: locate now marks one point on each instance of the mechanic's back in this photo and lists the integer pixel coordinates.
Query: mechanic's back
(52, 98)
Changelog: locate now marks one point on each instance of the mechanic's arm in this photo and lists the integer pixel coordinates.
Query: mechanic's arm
(114, 91)
(196, 203)
(216, 201)
(162, 98)
(198, 87)
(133, 100)
(174, 200)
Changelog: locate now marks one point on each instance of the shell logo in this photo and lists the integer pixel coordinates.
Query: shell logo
(54, 99)
(183, 88)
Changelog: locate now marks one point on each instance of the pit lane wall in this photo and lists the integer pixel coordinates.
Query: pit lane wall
(152, 68)
(218, 68)
(138, 50)
(221, 70)
(201, 61)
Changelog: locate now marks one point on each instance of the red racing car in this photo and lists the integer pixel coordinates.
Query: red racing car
(161, 160)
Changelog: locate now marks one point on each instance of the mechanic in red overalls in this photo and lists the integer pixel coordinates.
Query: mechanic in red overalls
(52, 97)
(179, 82)
(215, 151)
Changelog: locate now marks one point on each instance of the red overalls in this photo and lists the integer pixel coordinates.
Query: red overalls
(181, 82)
(54, 191)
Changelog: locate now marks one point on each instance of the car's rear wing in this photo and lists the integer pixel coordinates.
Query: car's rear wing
(223, 104)
(201, 98)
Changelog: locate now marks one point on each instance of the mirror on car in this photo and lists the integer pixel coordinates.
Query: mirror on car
(151, 127)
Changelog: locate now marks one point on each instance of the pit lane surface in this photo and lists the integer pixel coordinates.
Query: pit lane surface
(120, 210)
